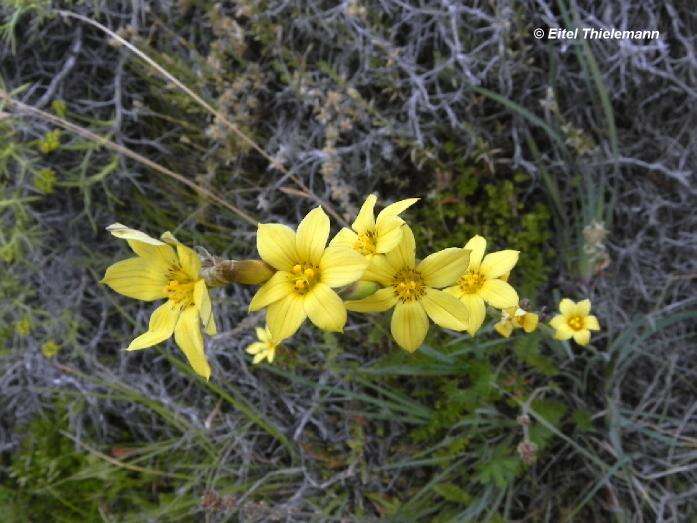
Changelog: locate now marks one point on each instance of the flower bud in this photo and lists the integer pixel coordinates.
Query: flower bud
(218, 273)
(361, 289)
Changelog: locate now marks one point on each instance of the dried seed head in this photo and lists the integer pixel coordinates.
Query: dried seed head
(527, 451)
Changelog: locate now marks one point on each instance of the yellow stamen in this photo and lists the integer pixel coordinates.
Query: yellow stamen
(366, 243)
(408, 285)
(180, 292)
(471, 282)
(575, 322)
(304, 276)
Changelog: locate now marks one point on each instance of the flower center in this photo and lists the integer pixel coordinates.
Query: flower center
(366, 243)
(303, 276)
(180, 292)
(518, 317)
(471, 282)
(575, 322)
(180, 288)
(408, 285)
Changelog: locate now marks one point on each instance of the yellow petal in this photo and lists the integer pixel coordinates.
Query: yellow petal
(583, 307)
(277, 288)
(312, 235)
(389, 234)
(445, 310)
(591, 323)
(344, 238)
(530, 321)
(137, 278)
(409, 325)
(567, 307)
(557, 322)
(377, 302)
(255, 348)
(582, 337)
(476, 311)
(160, 327)
(404, 254)
(498, 293)
(444, 267)
(211, 328)
(285, 316)
(340, 266)
(504, 328)
(562, 331)
(455, 290)
(395, 209)
(477, 246)
(276, 245)
(162, 254)
(189, 261)
(379, 270)
(188, 336)
(169, 238)
(262, 333)
(365, 220)
(324, 308)
(498, 263)
(202, 301)
(126, 233)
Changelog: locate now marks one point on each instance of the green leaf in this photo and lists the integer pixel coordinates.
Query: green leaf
(583, 420)
(527, 349)
(500, 470)
(552, 411)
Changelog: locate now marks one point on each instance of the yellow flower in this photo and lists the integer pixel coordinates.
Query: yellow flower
(50, 349)
(412, 289)
(23, 327)
(516, 318)
(307, 271)
(265, 348)
(159, 271)
(574, 321)
(485, 281)
(373, 237)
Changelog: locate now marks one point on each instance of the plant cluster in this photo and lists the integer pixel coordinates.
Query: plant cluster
(300, 273)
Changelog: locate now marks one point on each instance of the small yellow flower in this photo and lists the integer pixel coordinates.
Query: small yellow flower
(413, 290)
(574, 321)
(516, 318)
(373, 237)
(484, 281)
(159, 271)
(23, 327)
(50, 142)
(307, 271)
(50, 349)
(265, 348)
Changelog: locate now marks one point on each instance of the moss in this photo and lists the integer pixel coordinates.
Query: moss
(51, 479)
